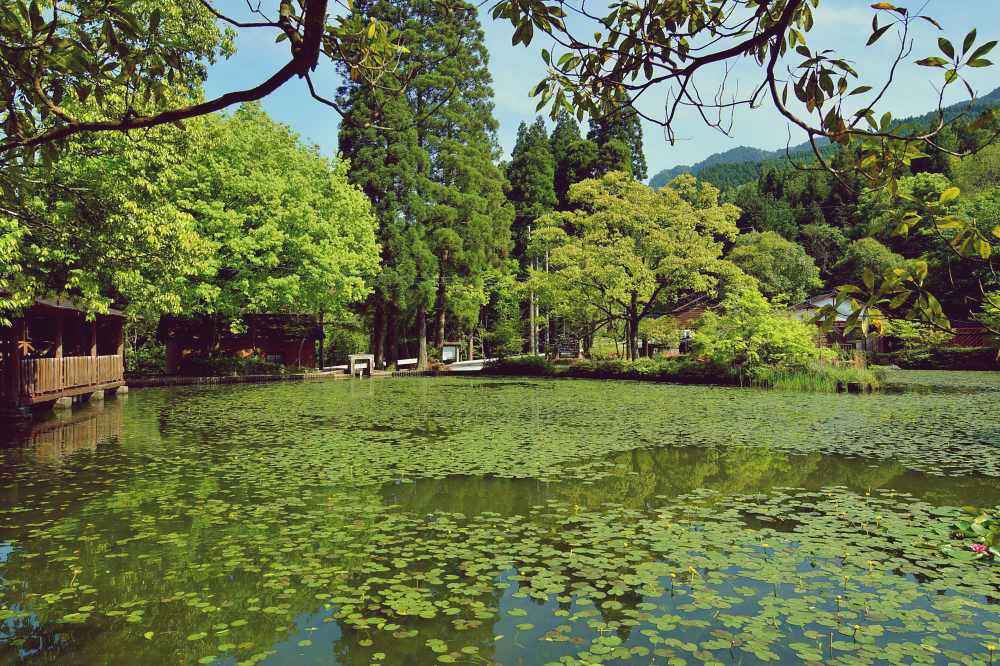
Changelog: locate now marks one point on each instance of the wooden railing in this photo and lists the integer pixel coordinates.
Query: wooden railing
(44, 376)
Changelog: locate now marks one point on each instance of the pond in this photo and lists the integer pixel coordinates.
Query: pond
(480, 521)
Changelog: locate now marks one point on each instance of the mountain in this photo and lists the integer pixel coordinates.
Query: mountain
(743, 164)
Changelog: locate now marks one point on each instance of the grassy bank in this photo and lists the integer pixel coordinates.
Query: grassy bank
(689, 370)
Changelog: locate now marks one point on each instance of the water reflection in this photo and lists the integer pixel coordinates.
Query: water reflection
(52, 439)
(644, 479)
(215, 518)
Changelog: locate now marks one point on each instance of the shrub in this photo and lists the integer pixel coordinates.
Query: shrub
(751, 334)
(692, 370)
(944, 358)
(220, 365)
(506, 339)
(530, 366)
(150, 359)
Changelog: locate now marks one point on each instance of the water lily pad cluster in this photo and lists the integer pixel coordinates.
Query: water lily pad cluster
(386, 523)
(977, 536)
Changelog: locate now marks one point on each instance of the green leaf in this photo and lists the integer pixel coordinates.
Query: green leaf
(949, 195)
(868, 277)
(982, 50)
(946, 47)
(970, 39)
(876, 35)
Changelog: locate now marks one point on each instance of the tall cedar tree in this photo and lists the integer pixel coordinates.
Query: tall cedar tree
(467, 216)
(621, 125)
(565, 134)
(578, 159)
(379, 136)
(444, 216)
(532, 173)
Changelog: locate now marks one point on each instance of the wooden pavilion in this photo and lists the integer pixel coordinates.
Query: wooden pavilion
(53, 351)
(285, 339)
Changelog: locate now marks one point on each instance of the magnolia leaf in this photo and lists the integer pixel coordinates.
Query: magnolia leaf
(949, 195)
(946, 47)
(875, 36)
(970, 39)
(868, 277)
(982, 50)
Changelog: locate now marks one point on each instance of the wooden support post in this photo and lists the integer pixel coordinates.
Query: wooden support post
(22, 338)
(59, 334)
(11, 370)
(120, 348)
(93, 351)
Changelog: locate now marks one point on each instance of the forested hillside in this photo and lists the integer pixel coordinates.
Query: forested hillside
(849, 229)
(743, 164)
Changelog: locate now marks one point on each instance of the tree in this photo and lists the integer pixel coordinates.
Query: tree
(865, 254)
(609, 62)
(751, 333)
(782, 268)
(825, 244)
(455, 220)
(626, 250)
(127, 53)
(762, 212)
(289, 233)
(231, 215)
(468, 218)
(614, 155)
(565, 135)
(531, 173)
(621, 126)
(103, 226)
(391, 167)
(978, 172)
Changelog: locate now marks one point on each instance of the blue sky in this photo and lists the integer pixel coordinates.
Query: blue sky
(841, 24)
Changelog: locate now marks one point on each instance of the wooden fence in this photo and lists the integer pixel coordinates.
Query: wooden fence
(50, 376)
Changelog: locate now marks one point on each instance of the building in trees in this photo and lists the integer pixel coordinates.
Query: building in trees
(197, 345)
(53, 351)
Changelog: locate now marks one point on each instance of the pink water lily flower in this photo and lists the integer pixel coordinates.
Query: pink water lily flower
(978, 548)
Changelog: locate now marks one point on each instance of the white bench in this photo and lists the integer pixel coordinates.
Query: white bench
(357, 362)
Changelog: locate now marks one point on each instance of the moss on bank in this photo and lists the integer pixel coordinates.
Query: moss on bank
(690, 370)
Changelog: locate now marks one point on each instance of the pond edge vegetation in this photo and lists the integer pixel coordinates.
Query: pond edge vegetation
(687, 370)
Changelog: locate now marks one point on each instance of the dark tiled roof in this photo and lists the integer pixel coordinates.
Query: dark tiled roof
(971, 336)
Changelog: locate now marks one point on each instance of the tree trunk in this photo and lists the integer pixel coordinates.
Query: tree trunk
(633, 328)
(392, 333)
(472, 345)
(533, 332)
(320, 360)
(422, 337)
(378, 331)
(440, 305)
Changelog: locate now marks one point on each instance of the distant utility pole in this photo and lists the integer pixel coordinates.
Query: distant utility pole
(533, 334)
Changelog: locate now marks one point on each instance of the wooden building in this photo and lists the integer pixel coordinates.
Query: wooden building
(54, 352)
(289, 340)
(684, 319)
(837, 336)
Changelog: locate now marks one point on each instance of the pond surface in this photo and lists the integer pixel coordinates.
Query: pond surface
(475, 521)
